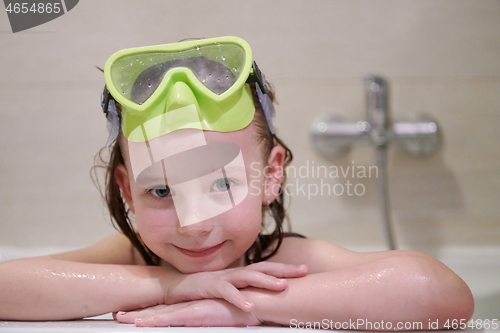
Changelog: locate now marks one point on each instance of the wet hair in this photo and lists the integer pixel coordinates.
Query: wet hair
(143, 88)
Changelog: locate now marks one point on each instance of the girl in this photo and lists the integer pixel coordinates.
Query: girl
(196, 163)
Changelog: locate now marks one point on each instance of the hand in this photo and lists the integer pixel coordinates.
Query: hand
(224, 284)
(207, 312)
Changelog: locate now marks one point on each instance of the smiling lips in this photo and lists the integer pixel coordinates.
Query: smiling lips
(199, 253)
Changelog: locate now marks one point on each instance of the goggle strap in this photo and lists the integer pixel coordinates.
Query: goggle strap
(108, 106)
(105, 98)
(113, 123)
(267, 107)
(256, 76)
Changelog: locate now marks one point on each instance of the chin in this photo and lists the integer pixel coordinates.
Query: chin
(198, 267)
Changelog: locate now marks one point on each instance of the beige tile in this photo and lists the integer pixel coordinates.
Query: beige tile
(441, 57)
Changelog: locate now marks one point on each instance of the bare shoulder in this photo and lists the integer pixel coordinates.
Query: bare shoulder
(320, 255)
(114, 249)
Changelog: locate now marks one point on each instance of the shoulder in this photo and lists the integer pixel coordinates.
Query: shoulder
(321, 256)
(114, 249)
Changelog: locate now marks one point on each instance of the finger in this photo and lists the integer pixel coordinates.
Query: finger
(124, 317)
(231, 294)
(169, 315)
(172, 318)
(199, 313)
(250, 278)
(152, 321)
(129, 317)
(279, 270)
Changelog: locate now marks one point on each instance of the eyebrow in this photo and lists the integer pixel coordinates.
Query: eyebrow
(154, 179)
(234, 168)
(150, 180)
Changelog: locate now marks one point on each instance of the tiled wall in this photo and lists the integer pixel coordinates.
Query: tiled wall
(441, 57)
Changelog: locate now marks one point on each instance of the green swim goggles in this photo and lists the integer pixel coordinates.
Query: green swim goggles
(208, 77)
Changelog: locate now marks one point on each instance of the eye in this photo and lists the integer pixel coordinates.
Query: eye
(222, 185)
(160, 191)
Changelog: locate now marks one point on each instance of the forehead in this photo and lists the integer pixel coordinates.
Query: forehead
(246, 139)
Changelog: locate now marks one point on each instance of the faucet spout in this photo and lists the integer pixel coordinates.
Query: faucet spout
(377, 109)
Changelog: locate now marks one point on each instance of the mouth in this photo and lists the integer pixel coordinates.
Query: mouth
(201, 252)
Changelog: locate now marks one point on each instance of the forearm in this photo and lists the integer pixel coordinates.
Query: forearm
(393, 290)
(48, 289)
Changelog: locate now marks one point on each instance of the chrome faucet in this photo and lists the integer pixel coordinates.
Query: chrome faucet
(377, 110)
(420, 136)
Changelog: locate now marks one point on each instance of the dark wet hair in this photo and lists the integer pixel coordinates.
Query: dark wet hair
(119, 212)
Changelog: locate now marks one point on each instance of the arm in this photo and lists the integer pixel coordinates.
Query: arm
(109, 277)
(342, 287)
(92, 281)
(401, 287)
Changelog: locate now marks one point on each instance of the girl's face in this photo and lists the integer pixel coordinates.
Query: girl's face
(217, 242)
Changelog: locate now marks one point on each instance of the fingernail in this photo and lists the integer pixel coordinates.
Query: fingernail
(249, 305)
(120, 313)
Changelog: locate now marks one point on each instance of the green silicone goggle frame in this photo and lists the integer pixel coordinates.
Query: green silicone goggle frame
(230, 110)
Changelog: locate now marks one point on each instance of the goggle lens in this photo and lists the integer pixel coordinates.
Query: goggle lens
(216, 66)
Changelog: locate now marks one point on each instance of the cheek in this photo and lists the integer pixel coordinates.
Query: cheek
(245, 218)
(248, 214)
(151, 213)
(156, 221)
(256, 180)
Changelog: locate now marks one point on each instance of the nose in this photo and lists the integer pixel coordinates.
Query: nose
(196, 229)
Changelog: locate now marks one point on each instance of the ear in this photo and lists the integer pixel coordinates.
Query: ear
(274, 174)
(121, 178)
